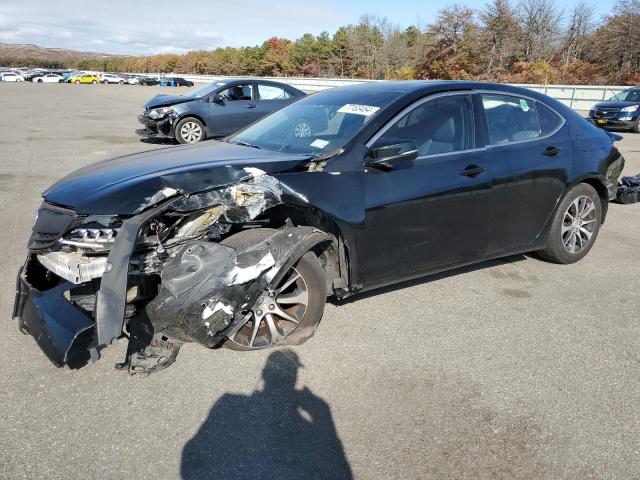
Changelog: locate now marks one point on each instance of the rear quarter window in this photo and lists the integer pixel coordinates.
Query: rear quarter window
(549, 120)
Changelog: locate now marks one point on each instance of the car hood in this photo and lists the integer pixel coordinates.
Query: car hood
(166, 100)
(122, 185)
(615, 104)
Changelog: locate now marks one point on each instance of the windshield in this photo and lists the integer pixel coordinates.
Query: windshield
(316, 124)
(627, 96)
(206, 90)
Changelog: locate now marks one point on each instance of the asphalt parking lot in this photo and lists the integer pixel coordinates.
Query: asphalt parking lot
(510, 369)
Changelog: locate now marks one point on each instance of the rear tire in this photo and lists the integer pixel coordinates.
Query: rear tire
(636, 126)
(312, 278)
(94, 82)
(574, 226)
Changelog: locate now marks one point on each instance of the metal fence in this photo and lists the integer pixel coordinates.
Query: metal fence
(578, 97)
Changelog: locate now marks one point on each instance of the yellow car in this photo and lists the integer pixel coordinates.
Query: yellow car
(86, 78)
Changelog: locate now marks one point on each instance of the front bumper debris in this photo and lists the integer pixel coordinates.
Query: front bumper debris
(629, 190)
(63, 331)
(160, 128)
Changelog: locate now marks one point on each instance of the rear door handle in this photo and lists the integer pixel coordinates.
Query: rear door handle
(551, 151)
(472, 171)
(251, 106)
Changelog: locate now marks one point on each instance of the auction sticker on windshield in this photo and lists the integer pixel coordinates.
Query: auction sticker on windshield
(319, 143)
(366, 110)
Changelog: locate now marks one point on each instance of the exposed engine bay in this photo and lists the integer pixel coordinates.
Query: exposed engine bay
(160, 277)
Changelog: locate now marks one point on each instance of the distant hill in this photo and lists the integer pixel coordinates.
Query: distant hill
(10, 50)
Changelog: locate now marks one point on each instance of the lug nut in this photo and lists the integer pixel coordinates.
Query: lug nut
(271, 306)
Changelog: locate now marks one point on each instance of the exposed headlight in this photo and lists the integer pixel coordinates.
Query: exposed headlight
(160, 112)
(631, 108)
(96, 239)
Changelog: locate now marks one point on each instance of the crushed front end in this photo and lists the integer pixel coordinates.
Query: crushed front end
(159, 277)
(157, 122)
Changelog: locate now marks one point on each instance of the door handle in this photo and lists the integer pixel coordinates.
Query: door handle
(472, 171)
(551, 151)
(251, 106)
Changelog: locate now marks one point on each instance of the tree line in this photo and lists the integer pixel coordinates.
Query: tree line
(520, 41)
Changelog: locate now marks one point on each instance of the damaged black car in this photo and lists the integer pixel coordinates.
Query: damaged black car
(238, 243)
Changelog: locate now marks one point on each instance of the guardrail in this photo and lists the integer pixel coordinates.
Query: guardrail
(578, 97)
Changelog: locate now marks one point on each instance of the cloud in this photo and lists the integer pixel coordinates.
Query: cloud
(172, 49)
(148, 27)
(207, 34)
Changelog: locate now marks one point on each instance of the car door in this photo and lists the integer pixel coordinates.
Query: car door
(431, 212)
(532, 143)
(236, 108)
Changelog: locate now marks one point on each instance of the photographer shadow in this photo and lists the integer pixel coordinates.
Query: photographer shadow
(277, 432)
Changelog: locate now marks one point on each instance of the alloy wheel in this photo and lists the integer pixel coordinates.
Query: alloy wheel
(578, 224)
(191, 132)
(275, 315)
(302, 130)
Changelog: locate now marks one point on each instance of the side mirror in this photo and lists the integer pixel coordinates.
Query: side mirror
(217, 98)
(384, 156)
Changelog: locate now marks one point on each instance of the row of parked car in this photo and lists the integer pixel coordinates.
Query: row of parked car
(78, 77)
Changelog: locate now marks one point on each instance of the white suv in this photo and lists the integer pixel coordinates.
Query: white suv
(11, 77)
(110, 78)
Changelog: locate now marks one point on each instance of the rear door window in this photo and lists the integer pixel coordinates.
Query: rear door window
(271, 92)
(510, 118)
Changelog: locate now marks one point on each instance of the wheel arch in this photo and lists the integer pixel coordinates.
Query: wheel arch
(334, 255)
(190, 115)
(599, 186)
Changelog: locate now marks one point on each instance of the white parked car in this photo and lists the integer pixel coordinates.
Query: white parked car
(110, 78)
(48, 78)
(12, 77)
(133, 80)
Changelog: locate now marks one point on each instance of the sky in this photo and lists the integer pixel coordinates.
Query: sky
(141, 27)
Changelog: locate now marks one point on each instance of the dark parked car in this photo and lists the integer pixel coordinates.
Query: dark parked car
(149, 81)
(238, 243)
(178, 82)
(621, 112)
(214, 110)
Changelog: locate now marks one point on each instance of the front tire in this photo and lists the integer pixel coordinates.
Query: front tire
(298, 302)
(190, 130)
(574, 226)
(636, 126)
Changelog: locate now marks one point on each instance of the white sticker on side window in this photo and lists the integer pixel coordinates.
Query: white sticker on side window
(319, 143)
(524, 105)
(366, 110)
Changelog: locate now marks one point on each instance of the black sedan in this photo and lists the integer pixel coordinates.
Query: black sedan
(621, 112)
(178, 82)
(214, 110)
(239, 243)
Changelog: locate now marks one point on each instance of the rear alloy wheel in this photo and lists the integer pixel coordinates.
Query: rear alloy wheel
(575, 225)
(189, 130)
(105, 82)
(290, 313)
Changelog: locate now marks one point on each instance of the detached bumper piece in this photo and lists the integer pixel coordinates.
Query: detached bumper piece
(154, 128)
(629, 190)
(62, 330)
